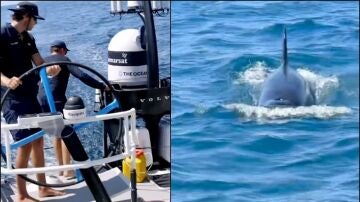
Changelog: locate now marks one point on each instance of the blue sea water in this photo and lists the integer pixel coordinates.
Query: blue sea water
(87, 28)
(226, 149)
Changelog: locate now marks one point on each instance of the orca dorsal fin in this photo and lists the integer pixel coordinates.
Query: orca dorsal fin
(285, 54)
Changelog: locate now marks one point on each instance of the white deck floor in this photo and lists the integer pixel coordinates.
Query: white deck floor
(115, 183)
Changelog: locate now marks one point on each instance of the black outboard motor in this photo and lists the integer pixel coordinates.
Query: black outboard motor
(133, 71)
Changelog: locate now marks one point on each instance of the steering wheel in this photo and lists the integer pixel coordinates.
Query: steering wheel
(50, 100)
(45, 79)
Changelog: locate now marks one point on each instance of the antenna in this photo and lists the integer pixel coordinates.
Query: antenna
(159, 8)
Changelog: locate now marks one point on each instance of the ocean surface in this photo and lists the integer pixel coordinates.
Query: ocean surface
(224, 148)
(87, 28)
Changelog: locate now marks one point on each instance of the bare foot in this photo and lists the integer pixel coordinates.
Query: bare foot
(26, 199)
(47, 192)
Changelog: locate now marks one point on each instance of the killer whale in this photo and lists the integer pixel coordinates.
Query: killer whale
(286, 87)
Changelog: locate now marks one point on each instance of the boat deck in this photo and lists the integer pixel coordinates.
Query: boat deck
(114, 182)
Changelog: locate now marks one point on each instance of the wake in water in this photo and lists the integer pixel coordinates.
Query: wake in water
(315, 111)
(255, 75)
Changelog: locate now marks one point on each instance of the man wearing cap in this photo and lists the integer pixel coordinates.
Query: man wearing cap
(17, 53)
(58, 85)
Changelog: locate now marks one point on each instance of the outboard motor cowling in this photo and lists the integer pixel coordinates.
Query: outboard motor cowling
(127, 59)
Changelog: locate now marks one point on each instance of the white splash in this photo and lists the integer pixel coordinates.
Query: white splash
(256, 74)
(315, 111)
(322, 85)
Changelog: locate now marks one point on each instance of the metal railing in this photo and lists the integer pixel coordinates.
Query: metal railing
(129, 126)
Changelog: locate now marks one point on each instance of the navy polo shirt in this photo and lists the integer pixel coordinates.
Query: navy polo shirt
(15, 59)
(58, 83)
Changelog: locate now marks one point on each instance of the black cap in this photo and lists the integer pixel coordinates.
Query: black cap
(73, 103)
(28, 7)
(59, 44)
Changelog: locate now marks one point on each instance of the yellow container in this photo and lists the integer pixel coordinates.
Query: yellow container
(140, 166)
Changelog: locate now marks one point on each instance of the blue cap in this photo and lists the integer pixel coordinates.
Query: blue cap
(59, 44)
(28, 7)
